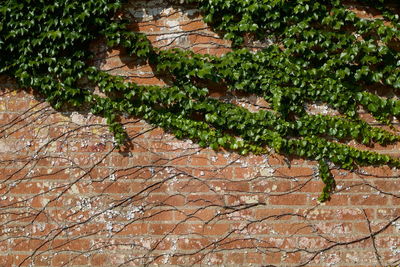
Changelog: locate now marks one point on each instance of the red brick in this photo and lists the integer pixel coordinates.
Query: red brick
(174, 200)
(235, 258)
(294, 172)
(288, 199)
(201, 229)
(254, 258)
(6, 260)
(42, 260)
(60, 259)
(200, 214)
(161, 229)
(158, 215)
(99, 260)
(342, 214)
(278, 213)
(202, 200)
(120, 160)
(199, 160)
(192, 243)
(79, 260)
(339, 200)
(368, 199)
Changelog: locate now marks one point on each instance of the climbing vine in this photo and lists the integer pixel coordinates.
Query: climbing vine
(321, 52)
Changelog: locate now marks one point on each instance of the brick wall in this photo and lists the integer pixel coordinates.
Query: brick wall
(68, 198)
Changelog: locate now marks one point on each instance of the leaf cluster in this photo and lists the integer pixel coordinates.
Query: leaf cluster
(321, 53)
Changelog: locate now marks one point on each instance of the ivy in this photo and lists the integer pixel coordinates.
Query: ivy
(321, 53)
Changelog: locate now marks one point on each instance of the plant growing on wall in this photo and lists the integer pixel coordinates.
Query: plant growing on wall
(321, 53)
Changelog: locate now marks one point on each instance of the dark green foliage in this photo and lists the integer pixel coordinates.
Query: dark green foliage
(322, 53)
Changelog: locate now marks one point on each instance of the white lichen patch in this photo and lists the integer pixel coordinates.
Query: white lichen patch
(249, 199)
(74, 189)
(267, 171)
(320, 109)
(4, 147)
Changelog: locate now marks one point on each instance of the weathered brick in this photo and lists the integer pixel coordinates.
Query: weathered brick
(223, 209)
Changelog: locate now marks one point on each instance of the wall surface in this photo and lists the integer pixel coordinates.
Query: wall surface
(68, 197)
